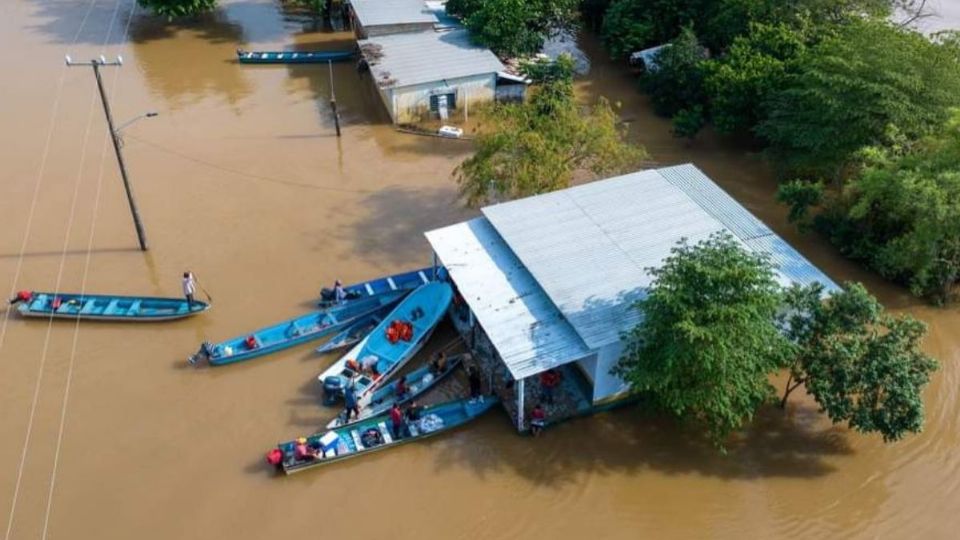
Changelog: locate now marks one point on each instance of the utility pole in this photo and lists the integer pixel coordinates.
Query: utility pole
(115, 137)
(333, 100)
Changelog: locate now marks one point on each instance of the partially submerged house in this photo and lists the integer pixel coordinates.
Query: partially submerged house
(372, 18)
(548, 282)
(430, 74)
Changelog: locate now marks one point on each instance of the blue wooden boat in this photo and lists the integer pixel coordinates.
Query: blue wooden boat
(292, 57)
(97, 307)
(418, 381)
(352, 333)
(422, 310)
(296, 331)
(404, 281)
(373, 435)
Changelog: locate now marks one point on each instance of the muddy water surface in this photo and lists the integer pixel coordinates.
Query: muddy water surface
(241, 179)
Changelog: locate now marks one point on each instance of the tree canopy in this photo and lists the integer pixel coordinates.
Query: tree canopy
(178, 8)
(707, 343)
(514, 27)
(533, 147)
(716, 326)
(676, 81)
(855, 89)
(862, 366)
(901, 214)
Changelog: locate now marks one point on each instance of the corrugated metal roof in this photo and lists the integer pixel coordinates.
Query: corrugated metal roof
(588, 246)
(421, 57)
(528, 331)
(386, 12)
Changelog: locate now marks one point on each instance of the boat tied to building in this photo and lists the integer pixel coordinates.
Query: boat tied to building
(389, 346)
(417, 383)
(405, 281)
(296, 331)
(373, 434)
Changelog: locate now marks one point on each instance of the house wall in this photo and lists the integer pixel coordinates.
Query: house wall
(608, 387)
(411, 104)
(364, 32)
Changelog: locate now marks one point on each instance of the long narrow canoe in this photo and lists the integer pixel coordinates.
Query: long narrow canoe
(418, 381)
(347, 442)
(352, 334)
(292, 57)
(405, 281)
(296, 331)
(422, 309)
(97, 307)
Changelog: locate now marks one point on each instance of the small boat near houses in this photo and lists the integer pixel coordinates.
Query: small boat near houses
(292, 57)
(417, 382)
(372, 435)
(296, 331)
(406, 281)
(99, 307)
(392, 343)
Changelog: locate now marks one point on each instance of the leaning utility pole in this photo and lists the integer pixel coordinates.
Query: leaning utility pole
(115, 137)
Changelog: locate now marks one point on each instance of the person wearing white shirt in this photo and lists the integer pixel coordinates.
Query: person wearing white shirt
(189, 284)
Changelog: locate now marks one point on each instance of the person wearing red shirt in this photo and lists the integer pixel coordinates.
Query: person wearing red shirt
(538, 420)
(549, 380)
(396, 421)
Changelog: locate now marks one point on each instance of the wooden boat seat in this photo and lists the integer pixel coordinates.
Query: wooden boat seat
(88, 307)
(387, 439)
(393, 286)
(423, 277)
(134, 308)
(111, 307)
(356, 439)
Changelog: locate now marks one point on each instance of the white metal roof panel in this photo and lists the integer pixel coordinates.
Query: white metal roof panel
(589, 246)
(530, 334)
(398, 60)
(386, 12)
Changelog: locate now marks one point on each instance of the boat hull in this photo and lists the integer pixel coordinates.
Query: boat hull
(454, 414)
(383, 399)
(431, 300)
(109, 308)
(300, 330)
(403, 281)
(293, 57)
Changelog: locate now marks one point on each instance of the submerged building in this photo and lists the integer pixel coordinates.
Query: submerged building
(381, 17)
(548, 282)
(431, 74)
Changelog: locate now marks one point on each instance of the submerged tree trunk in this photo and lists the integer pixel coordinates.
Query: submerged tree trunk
(789, 389)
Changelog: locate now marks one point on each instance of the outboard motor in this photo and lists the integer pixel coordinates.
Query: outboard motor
(333, 390)
(204, 353)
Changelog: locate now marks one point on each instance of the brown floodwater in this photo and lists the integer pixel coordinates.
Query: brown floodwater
(241, 179)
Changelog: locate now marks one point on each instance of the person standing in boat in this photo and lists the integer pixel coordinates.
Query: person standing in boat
(339, 295)
(350, 399)
(473, 376)
(189, 284)
(396, 421)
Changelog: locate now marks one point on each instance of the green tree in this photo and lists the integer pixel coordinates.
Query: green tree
(708, 340)
(862, 366)
(676, 82)
(687, 123)
(855, 88)
(514, 27)
(533, 147)
(632, 25)
(756, 66)
(178, 8)
(800, 196)
(901, 214)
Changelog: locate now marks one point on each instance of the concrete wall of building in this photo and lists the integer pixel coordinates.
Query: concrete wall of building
(364, 32)
(411, 104)
(605, 385)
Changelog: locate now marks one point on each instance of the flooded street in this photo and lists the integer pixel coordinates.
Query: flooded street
(241, 179)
